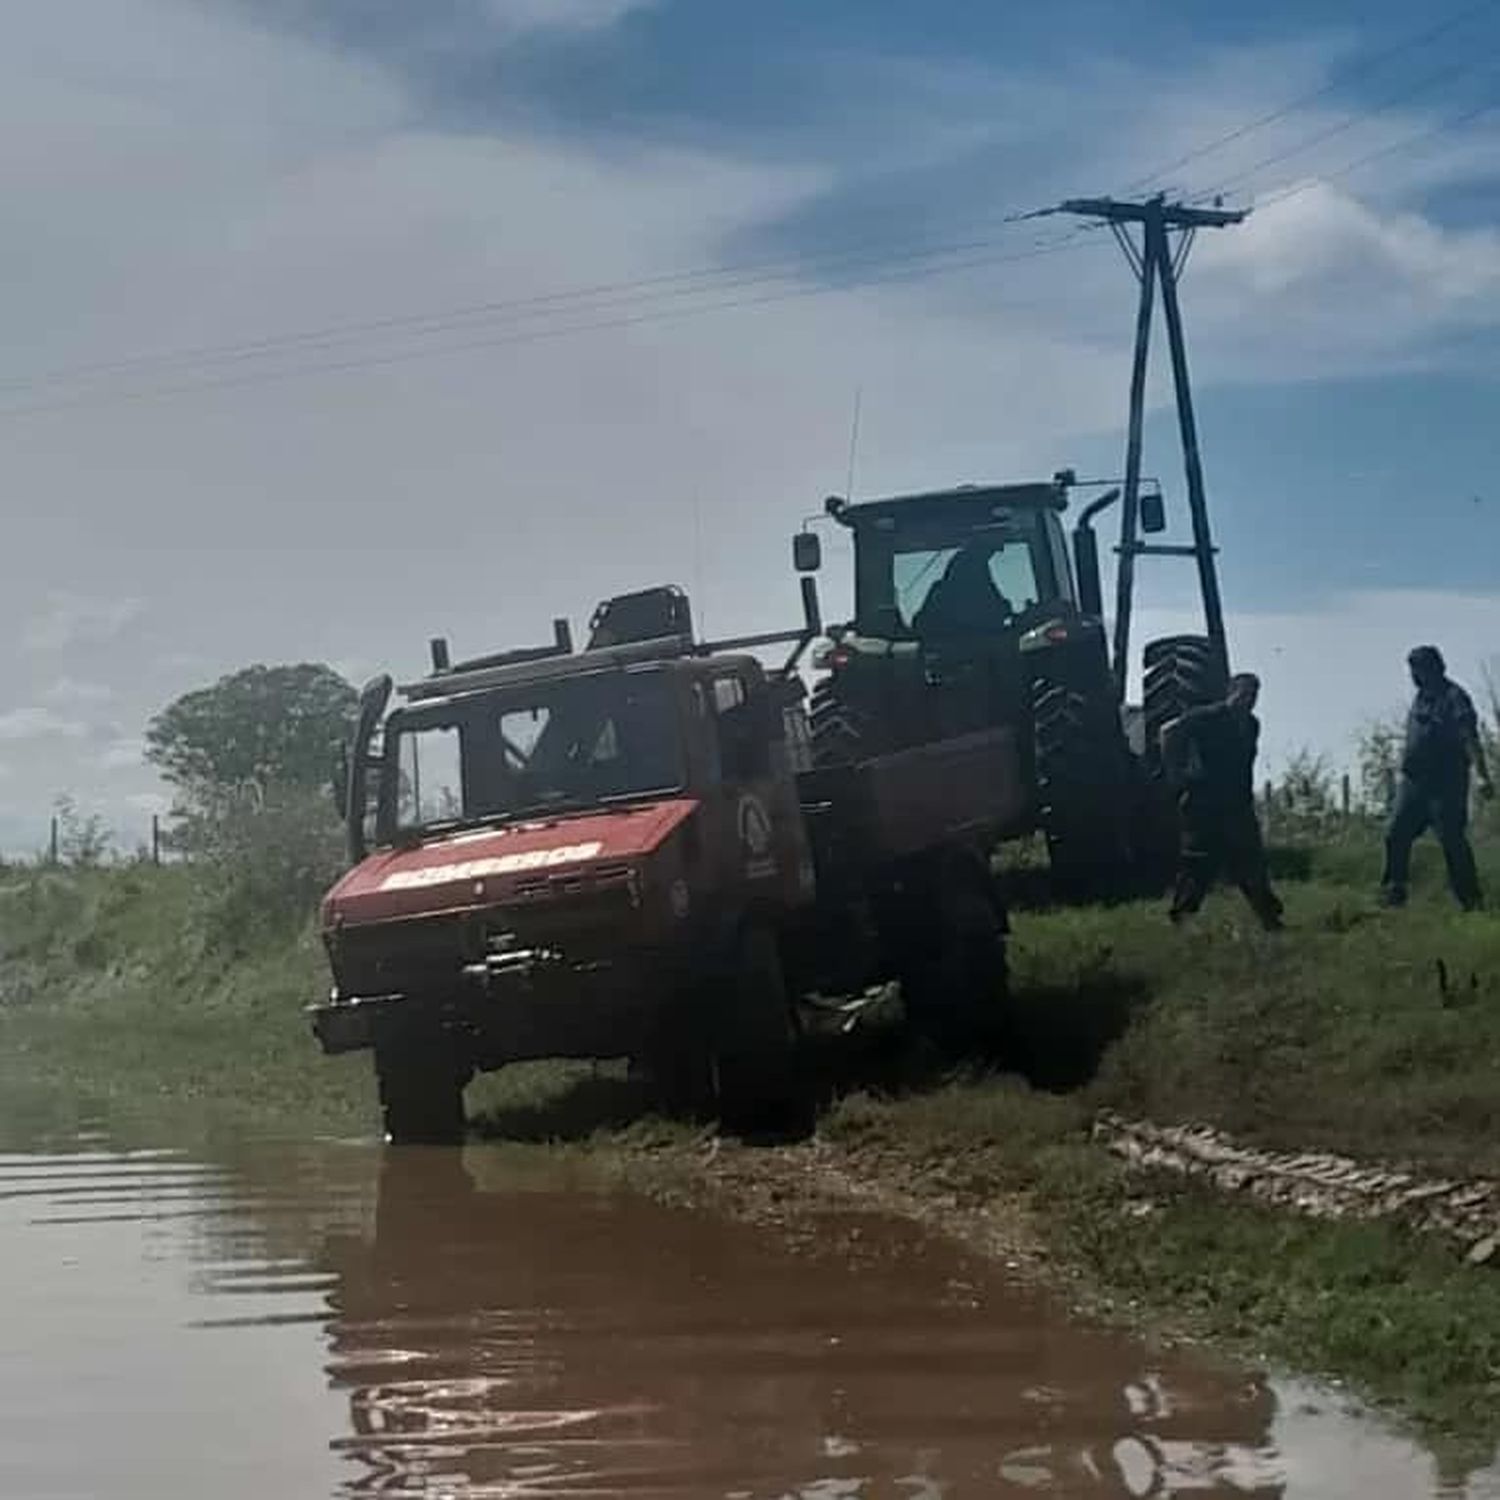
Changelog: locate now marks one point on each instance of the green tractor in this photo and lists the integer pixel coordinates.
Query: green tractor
(972, 611)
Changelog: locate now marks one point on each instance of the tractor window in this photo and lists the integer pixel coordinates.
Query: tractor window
(963, 590)
(950, 570)
(1014, 574)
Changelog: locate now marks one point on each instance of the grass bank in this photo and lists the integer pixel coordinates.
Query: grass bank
(1373, 1033)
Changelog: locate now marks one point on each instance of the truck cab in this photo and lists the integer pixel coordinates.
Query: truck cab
(554, 854)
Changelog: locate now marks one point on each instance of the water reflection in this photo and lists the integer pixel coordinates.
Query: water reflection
(541, 1342)
(252, 1319)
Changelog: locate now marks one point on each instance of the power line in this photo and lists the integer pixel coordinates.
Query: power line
(665, 286)
(1391, 148)
(1340, 78)
(1318, 138)
(124, 395)
(659, 291)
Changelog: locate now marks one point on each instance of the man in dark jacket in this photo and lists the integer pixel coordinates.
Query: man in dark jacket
(1442, 742)
(1209, 754)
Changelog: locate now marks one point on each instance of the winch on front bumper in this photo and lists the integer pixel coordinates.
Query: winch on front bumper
(510, 1004)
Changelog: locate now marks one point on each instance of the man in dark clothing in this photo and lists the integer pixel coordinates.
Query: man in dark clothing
(1442, 741)
(965, 601)
(1209, 754)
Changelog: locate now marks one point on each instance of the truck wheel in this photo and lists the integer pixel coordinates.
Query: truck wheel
(421, 1088)
(1182, 672)
(837, 735)
(954, 984)
(759, 1083)
(679, 1067)
(1083, 790)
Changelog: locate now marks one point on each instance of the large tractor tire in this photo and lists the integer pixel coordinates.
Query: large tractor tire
(837, 734)
(1182, 672)
(955, 977)
(760, 1087)
(1083, 787)
(422, 1082)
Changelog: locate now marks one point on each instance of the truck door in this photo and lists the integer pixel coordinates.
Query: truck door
(763, 837)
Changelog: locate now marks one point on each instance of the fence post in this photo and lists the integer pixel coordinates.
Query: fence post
(155, 838)
(1346, 800)
(52, 842)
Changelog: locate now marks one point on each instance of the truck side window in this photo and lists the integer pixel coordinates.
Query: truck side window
(743, 750)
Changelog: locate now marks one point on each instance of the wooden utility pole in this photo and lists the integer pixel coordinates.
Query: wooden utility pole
(1156, 264)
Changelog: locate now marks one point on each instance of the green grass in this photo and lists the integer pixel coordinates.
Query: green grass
(107, 994)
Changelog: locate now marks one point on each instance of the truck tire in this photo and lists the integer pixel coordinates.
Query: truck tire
(836, 733)
(1083, 789)
(1182, 672)
(421, 1083)
(758, 1078)
(955, 979)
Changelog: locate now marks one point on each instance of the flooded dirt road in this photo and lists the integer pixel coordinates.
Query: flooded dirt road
(273, 1320)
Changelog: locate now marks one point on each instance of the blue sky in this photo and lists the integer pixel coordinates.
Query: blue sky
(206, 176)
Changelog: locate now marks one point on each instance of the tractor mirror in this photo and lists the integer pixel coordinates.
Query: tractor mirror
(807, 552)
(1153, 513)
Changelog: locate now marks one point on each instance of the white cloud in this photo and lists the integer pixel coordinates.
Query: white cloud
(1336, 281)
(71, 690)
(39, 723)
(76, 619)
(121, 754)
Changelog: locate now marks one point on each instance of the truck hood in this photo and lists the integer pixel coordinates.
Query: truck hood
(483, 867)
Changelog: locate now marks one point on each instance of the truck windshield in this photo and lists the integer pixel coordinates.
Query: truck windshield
(931, 580)
(550, 746)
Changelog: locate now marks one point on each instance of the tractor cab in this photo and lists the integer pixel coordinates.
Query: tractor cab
(959, 595)
(966, 564)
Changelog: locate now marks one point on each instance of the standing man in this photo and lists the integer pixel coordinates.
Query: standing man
(1442, 741)
(1209, 755)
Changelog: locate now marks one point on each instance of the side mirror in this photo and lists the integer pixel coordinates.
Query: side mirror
(1153, 513)
(373, 698)
(807, 552)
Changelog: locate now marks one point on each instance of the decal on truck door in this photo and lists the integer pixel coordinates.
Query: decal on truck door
(755, 838)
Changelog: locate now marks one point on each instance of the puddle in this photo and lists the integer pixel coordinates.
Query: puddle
(337, 1320)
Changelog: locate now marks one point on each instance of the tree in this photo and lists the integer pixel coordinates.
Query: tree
(1380, 745)
(83, 838)
(1303, 800)
(256, 730)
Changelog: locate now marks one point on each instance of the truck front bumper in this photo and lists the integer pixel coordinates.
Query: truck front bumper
(513, 1010)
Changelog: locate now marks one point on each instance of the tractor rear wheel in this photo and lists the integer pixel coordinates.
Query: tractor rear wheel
(1182, 672)
(421, 1079)
(1083, 788)
(759, 1082)
(837, 733)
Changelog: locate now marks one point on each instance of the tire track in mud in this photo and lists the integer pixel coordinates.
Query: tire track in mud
(1321, 1185)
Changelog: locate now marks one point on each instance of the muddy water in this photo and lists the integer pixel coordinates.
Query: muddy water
(333, 1320)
